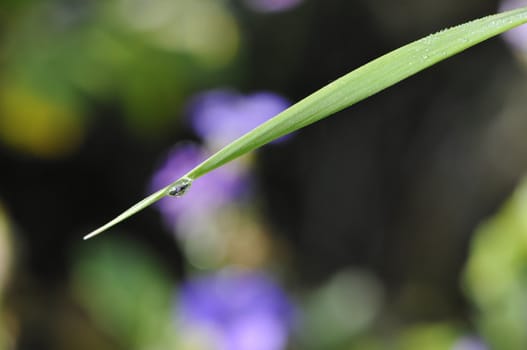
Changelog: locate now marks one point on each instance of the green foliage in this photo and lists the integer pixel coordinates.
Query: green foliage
(126, 291)
(495, 275)
(357, 85)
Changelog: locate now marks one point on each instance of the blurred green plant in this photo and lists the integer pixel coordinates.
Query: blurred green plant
(6, 262)
(341, 310)
(357, 85)
(495, 276)
(148, 57)
(439, 336)
(127, 292)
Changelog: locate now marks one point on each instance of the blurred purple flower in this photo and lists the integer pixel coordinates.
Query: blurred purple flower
(220, 116)
(272, 5)
(213, 190)
(517, 37)
(469, 343)
(241, 310)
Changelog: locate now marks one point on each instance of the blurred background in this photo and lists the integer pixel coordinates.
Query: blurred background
(400, 223)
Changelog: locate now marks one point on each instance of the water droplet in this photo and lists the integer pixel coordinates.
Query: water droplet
(424, 57)
(180, 187)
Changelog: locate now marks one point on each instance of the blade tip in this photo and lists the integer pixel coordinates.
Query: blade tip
(91, 235)
(87, 237)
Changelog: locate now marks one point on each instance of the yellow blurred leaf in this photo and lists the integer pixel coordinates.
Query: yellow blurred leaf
(38, 125)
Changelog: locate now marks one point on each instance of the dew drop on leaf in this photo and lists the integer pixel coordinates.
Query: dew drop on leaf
(180, 187)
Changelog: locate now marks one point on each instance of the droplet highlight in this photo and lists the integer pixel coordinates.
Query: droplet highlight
(180, 187)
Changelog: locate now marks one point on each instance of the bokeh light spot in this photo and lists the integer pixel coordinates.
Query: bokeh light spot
(272, 5)
(204, 29)
(517, 37)
(36, 125)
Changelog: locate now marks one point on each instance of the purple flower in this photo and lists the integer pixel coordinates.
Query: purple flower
(272, 5)
(517, 37)
(238, 310)
(221, 116)
(469, 343)
(207, 194)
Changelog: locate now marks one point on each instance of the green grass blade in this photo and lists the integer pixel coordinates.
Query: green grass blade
(131, 211)
(353, 87)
